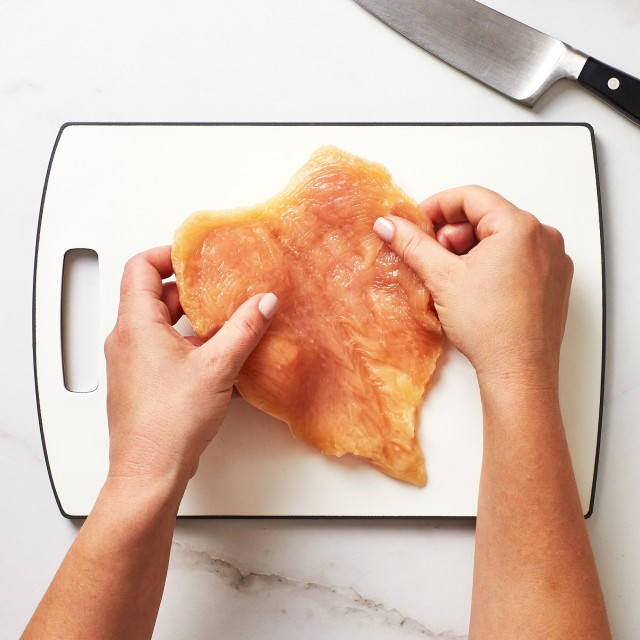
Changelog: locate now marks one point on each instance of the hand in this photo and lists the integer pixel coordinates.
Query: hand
(166, 394)
(500, 281)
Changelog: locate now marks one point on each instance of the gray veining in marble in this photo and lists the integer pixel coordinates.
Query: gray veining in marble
(340, 600)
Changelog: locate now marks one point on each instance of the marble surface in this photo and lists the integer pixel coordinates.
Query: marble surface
(294, 60)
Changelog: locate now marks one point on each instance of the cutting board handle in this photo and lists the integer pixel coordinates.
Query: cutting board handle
(79, 320)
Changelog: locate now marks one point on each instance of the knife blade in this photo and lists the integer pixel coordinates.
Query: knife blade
(507, 55)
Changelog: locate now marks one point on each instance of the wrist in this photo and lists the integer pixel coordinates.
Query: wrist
(538, 376)
(509, 384)
(527, 360)
(129, 517)
(157, 494)
(156, 469)
(506, 399)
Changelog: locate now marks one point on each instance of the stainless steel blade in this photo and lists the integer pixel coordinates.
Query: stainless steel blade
(499, 51)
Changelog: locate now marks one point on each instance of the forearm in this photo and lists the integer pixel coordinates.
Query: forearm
(111, 581)
(534, 570)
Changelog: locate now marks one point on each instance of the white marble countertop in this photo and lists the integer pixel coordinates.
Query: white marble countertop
(295, 60)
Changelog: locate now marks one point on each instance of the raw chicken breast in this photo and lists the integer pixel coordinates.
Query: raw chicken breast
(350, 353)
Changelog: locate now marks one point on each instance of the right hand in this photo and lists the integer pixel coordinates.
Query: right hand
(500, 282)
(167, 395)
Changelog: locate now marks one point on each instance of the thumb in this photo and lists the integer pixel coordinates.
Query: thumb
(239, 335)
(423, 253)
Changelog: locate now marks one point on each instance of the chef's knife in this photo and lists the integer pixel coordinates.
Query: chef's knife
(503, 53)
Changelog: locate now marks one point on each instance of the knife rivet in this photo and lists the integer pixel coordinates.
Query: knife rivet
(613, 83)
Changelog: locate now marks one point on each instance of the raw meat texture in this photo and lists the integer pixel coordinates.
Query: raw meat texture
(350, 353)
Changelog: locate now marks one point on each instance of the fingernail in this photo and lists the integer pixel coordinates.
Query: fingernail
(268, 305)
(384, 228)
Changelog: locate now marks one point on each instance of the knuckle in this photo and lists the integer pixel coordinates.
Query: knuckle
(556, 237)
(528, 228)
(125, 331)
(123, 337)
(247, 327)
(218, 371)
(229, 355)
(570, 266)
(128, 274)
(530, 223)
(477, 189)
(127, 277)
(411, 248)
(130, 263)
(108, 345)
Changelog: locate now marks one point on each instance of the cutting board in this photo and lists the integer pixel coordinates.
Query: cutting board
(117, 189)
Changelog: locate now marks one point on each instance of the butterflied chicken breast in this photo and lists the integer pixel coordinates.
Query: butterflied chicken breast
(350, 353)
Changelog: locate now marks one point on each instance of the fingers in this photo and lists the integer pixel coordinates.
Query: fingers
(458, 238)
(461, 217)
(171, 299)
(228, 349)
(430, 260)
(144, 272)
(141, 286)
(481, 207)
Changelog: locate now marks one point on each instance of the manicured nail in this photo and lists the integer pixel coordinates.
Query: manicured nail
(268, 305)
(384, 228)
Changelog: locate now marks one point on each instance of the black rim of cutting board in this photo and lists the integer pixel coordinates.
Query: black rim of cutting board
(315, 124)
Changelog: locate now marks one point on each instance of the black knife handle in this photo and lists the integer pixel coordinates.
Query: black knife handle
(616, 88)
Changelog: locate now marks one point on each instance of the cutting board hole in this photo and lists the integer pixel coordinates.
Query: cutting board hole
(81, 347)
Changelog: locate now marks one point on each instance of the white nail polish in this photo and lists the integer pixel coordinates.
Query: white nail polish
(268, 305)
(385, 229)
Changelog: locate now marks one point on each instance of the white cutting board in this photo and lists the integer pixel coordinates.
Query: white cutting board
(120, 189)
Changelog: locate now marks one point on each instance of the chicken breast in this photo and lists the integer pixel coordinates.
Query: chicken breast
(350, 353)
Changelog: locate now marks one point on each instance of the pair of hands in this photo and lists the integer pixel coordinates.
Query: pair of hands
(500, 283)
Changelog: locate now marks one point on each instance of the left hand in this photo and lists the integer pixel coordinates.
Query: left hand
(167, 395)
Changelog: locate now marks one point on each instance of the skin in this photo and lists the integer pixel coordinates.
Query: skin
(500, 282)
(167, 396)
